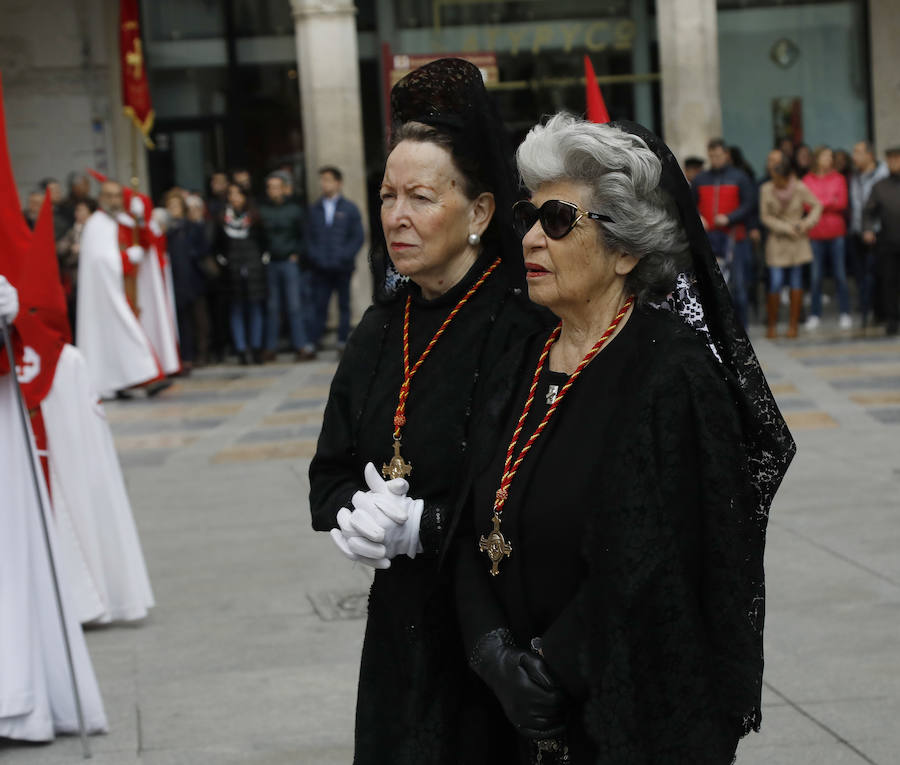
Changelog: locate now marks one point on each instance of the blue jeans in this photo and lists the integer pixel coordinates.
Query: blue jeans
(308, 306)
(734, 259)
(324, 283)
(244, 312)
(778, 275)
(833, 250)
(284, 286)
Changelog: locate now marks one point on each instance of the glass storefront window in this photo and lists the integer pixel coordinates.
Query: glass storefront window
(183, 19)
(411, 14)
(262, 18)
(539, 48)
(190, 92)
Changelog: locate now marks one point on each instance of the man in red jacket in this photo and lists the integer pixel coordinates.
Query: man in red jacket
(726, 200)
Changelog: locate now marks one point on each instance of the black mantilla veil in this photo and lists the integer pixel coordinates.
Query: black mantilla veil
(769, 446)
(773, 446)
(449, 95)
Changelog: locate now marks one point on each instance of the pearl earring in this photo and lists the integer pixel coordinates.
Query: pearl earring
(474, 239)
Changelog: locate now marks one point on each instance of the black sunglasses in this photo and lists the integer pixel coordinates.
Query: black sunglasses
(557, 217)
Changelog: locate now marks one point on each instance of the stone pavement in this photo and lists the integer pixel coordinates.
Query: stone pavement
(250, 655)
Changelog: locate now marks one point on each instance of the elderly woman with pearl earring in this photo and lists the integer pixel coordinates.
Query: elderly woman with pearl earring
(449, 302)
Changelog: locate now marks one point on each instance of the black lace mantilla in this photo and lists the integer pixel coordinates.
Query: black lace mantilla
(703, 302)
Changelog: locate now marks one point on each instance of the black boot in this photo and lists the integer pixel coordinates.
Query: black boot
(244, 358)
(258, 356)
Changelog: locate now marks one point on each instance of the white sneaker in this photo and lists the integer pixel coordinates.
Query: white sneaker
(812, 322)
(846, 321)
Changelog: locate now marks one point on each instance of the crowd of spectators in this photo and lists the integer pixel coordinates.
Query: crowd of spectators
(816, 215)
(254, 276)
(251, 275)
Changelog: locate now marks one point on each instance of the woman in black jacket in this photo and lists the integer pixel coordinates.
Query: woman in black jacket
(449, 302)
(186, 244)
(240, 245)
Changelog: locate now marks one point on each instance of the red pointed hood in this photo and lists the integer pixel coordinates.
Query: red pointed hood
(15, 235)
(29, 262)
(40, 288)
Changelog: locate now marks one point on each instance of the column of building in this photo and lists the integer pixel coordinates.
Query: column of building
(328, 68)
(884, 30)
(689, 62)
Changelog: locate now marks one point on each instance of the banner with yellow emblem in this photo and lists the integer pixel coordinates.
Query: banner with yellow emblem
(135, 89)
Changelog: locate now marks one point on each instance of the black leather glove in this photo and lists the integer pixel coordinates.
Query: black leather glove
(531, 699)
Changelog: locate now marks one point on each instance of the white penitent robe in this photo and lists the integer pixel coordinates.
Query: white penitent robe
(158, 306)
(97, 536)
(36, 699)
(114, 344)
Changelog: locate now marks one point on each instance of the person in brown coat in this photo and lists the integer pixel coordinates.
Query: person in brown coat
(788, 209)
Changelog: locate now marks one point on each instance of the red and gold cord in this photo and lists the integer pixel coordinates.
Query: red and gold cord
(510, 467)
(400, 414)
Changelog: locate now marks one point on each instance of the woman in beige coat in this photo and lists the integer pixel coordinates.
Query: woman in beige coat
(788, 209)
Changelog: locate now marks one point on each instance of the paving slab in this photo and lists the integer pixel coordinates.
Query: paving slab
(251, 654)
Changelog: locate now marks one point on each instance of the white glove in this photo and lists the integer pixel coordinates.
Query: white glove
(135, 253)
(9, 300)
(386, 521)
(136, 208)
(341, 535)
(377, 536)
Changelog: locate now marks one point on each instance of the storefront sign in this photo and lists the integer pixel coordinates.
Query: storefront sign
(530, 39)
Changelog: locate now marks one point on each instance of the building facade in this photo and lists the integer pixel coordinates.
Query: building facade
(296, 84)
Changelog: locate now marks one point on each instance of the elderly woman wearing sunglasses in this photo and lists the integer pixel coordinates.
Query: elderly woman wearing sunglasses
(610, 583)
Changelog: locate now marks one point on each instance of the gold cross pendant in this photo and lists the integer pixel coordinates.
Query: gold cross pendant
(495, 545)
(397, 467)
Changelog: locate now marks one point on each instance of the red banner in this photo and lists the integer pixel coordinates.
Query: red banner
(135, 89)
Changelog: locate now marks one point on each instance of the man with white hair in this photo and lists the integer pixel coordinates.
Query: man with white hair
(115, 346)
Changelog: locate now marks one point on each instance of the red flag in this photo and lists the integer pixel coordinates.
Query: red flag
(97, 175)
(596, 107)
(135, 89)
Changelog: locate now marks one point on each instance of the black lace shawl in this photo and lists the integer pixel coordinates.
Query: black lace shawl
(765, 444)
(770, 445)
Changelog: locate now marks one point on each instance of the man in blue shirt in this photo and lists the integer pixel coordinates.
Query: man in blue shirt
(334, 236)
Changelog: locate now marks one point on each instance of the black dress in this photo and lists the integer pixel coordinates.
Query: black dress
(413, 675)
(626, 533)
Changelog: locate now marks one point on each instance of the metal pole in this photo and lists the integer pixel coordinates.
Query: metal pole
(85, 747)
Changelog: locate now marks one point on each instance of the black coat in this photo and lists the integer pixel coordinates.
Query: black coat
(656, 633)
(186, 243)
(413, 675)
(245, 272)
